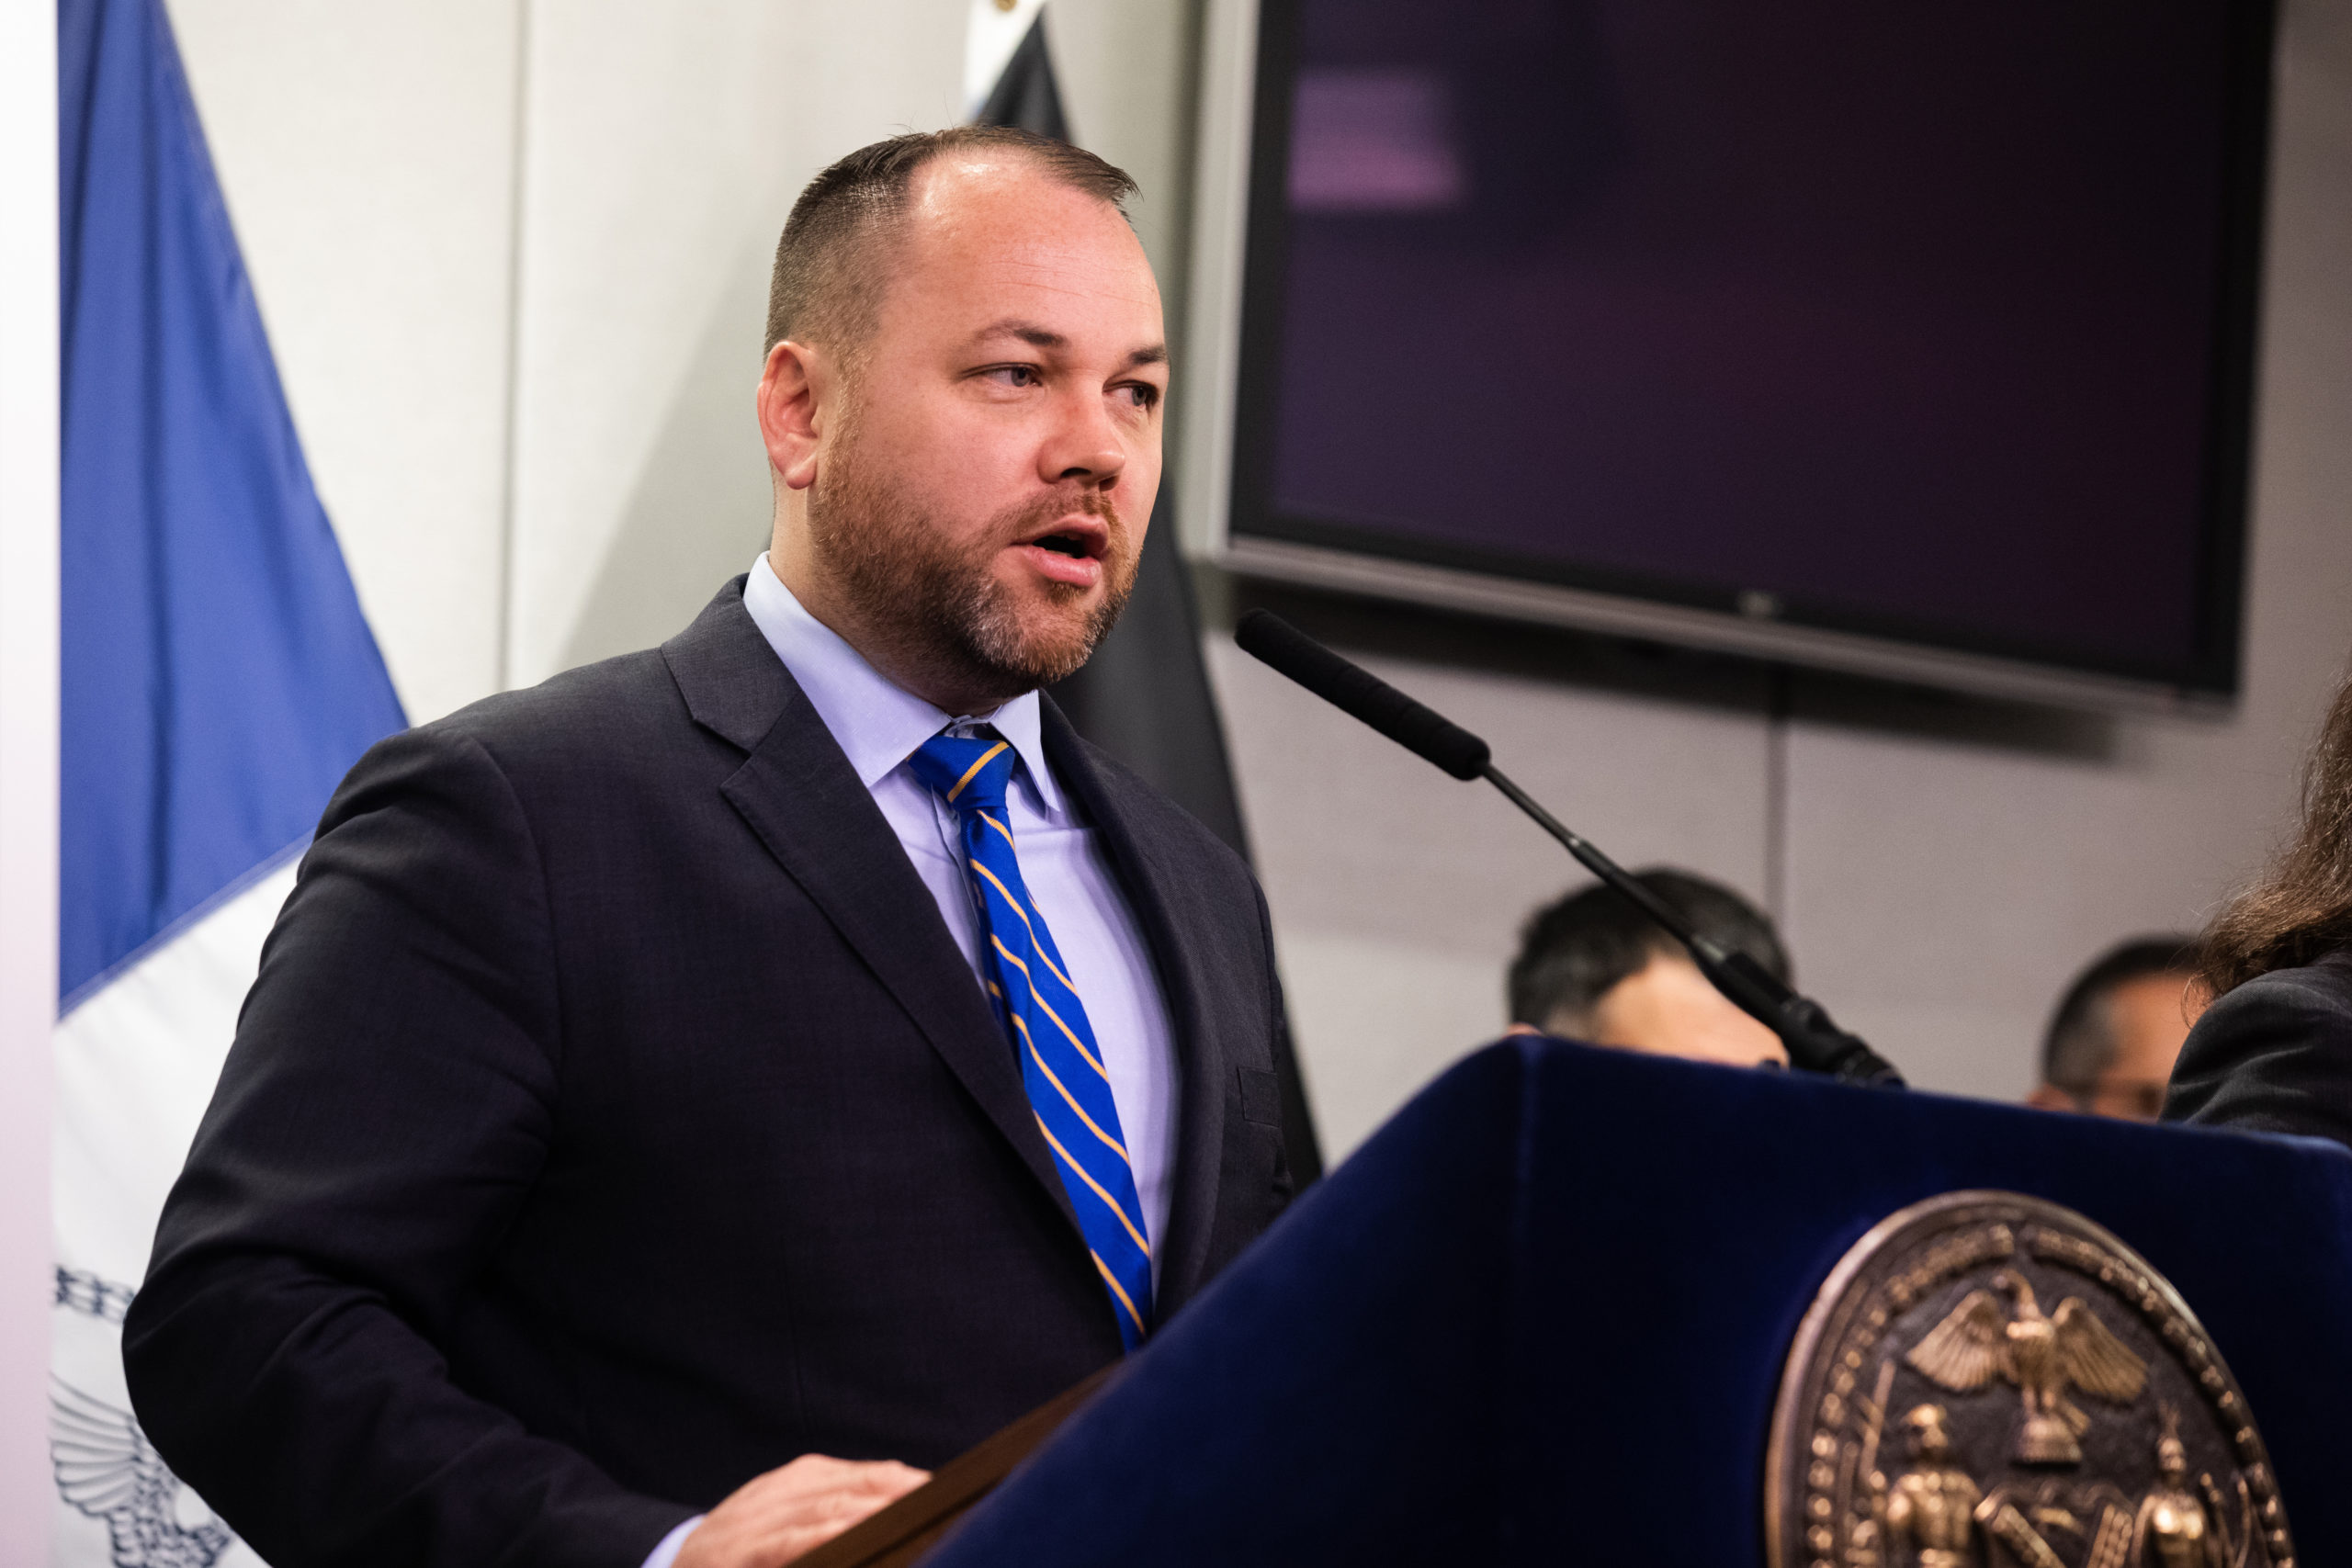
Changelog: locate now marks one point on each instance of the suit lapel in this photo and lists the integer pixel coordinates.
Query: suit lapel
(799, 794)
(1165, 907)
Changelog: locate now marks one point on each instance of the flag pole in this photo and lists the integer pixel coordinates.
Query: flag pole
(28, 741)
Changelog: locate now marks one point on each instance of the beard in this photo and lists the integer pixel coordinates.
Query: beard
(932, 600)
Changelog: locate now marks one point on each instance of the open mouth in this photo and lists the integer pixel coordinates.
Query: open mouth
(1076, 538)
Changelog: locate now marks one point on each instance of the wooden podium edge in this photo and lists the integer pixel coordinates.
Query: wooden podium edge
(902, 1532)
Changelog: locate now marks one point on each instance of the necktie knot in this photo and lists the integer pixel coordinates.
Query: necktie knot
(970, 772)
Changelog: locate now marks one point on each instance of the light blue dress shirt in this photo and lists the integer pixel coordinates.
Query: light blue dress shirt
(878, 724)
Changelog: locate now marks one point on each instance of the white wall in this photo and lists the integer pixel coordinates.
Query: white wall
(665, 146)
(367, 152)
(513, 256)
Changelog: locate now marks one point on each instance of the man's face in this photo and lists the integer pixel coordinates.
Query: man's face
(2149, 1023)
(979, 498)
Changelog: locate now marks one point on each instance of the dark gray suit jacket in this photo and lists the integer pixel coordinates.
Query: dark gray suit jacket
(2274, 1056)
(615, 1119)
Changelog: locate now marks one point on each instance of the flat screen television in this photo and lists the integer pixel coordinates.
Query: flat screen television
(1915, 339)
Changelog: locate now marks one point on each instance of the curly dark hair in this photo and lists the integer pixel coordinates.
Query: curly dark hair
(2300, 908)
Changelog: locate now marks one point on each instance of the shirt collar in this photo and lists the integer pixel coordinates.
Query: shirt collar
(877, 723)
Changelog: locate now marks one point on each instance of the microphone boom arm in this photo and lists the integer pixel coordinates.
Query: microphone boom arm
(1814, 1043)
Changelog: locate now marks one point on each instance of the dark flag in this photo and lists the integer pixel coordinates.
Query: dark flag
(1025, 97)
(1145, 696)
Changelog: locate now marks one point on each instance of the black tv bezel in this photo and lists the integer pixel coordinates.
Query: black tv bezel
(2212, 672)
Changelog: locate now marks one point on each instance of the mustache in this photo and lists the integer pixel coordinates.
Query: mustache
(1028, 518)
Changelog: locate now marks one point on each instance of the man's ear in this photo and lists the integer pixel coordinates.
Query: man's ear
(1567, 1023)
(794, 405)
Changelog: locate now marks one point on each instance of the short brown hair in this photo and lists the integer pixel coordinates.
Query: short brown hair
(1575, 951)
(830, 270)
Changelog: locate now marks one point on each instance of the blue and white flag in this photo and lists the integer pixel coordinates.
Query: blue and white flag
(218, 679)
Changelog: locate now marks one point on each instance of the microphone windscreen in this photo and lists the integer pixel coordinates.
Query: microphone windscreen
(1355, 690)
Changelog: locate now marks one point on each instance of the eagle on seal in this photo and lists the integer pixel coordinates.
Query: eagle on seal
(2045, 1356)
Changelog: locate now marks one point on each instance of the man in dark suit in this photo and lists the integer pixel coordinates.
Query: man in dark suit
(728, 1077)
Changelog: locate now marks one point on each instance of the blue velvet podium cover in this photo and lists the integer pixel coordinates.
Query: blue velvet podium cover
(1541, 1317)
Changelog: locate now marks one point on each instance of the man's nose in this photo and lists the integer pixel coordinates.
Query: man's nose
(1084, 445)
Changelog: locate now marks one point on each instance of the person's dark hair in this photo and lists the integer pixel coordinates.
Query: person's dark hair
(2301, 909)
(1571, 952)
(832, 262)
(2080, 1041)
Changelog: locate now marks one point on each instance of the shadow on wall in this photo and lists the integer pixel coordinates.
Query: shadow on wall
(701, 509)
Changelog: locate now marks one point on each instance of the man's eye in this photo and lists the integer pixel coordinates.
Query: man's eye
(1018, 375)
(1141, 394)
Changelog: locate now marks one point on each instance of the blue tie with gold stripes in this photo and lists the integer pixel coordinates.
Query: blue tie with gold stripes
(1034, 998)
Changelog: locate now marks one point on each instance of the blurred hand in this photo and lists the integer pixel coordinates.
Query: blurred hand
(774, 1517)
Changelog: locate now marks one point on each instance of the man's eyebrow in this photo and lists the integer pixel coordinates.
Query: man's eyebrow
(1029, 332)
(1047, 338)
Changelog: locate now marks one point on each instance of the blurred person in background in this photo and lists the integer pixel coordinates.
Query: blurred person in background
(2274, 1051)
(1593, 967)
(2111, 1044)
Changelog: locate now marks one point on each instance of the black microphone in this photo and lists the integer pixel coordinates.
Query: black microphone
(1814, 1043)
(1356, 691)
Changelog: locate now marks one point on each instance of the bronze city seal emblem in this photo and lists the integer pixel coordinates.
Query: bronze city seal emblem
(1989, 1380)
